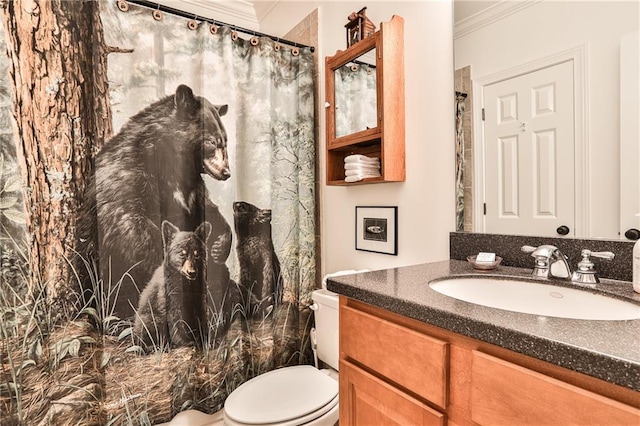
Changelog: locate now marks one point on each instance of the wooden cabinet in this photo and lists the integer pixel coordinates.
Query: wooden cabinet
(506, 393)
(368, 400)
(395, 370)
(384, 135)
(411, 361)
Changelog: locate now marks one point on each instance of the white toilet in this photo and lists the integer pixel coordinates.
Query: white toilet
(299, 395)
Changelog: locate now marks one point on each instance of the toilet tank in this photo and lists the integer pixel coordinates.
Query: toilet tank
(326, 322)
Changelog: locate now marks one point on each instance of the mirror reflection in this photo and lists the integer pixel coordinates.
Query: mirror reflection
(356, 95)
(558, 150)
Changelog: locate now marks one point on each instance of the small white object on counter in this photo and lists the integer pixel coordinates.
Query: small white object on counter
(484, 257)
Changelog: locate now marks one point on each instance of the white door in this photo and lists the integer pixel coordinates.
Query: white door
(529, 151)
(629, 135)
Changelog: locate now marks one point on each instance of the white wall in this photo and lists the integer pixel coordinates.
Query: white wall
(549, 27)
(426, 199)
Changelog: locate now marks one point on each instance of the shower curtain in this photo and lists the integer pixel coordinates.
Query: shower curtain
(196, 234)
(460, 104)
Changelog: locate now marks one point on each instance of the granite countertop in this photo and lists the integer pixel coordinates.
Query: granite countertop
(608, 350)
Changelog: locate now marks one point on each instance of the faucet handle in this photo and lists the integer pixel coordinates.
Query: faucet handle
(544, 251)
(601, 254)
(542, 257)
(586, 272)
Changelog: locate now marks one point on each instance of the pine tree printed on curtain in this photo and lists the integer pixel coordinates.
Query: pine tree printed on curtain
(195, 254)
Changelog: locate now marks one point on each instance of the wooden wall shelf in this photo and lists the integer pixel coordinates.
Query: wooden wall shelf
(387, 140)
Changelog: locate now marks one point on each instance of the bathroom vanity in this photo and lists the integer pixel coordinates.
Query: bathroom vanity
(409, 355)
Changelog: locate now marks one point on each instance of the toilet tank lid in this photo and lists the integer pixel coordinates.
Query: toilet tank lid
(325, 297)
(281, 395)
(340, 273)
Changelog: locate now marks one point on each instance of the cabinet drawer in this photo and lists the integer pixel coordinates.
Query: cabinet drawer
(367, 400)
(507, 394)
(412, 360)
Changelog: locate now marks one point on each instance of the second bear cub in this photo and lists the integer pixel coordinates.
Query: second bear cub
(172, 305)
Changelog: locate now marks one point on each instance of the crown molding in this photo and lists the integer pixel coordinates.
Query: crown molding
(237, 10)
(264, 7)
(490, 15)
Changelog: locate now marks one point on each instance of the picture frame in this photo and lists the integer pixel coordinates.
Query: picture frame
(377, 229)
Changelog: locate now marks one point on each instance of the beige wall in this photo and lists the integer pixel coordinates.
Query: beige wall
(426, 199)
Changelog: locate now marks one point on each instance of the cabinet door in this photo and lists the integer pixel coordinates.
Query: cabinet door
(503, 393)
(412, 360)
(367, 400)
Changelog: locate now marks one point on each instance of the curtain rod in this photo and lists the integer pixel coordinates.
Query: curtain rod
(182, 13)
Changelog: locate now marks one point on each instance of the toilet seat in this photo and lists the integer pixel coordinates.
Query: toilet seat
(287, 396)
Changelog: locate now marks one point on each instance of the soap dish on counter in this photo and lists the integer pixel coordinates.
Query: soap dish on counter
(484, 266)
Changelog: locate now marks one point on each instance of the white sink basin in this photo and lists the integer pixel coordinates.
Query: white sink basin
(537, 298)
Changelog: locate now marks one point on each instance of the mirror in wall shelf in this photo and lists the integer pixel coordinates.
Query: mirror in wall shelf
(365, 104)
(547, 106)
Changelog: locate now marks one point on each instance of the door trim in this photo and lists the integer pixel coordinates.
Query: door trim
(579, 56)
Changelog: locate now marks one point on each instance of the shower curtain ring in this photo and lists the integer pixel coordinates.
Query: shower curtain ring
(157, 14)
(276, 46)
(234, 34)
(123, 5)
(254, 40)
(213, 28)
(193, 24)
(295, 51)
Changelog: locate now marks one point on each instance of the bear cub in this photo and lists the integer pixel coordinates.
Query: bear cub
(172, 306)
(260, 272)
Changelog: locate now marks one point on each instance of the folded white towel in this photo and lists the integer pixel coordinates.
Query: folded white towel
(362, 163)
(362, 158)
(358, 166)
(350, 179)
(354, 166)
(367, 173)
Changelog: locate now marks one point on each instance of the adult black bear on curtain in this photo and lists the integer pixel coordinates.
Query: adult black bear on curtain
(260, 270)
(149, 172)
(172, 305)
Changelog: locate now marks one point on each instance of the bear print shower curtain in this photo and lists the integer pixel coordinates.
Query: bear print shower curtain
(193, 258)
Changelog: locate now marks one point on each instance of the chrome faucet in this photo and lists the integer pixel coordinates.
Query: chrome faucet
(586, 272)
(550, 262)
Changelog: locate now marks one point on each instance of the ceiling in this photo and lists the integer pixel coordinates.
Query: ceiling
(257, 10)
(469, 15)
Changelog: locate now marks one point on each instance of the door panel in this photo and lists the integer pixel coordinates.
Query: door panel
(544, 181)
(529, 145)
(508, 160)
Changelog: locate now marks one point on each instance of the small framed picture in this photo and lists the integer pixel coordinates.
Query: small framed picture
(377, 229)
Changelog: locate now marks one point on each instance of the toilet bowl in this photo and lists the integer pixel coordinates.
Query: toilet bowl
(298, 395)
